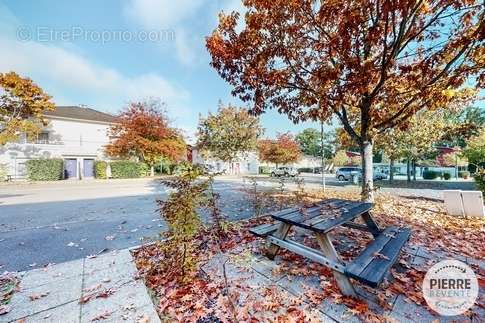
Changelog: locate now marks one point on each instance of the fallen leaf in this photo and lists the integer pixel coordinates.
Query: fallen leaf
(34, 297)
(4, 309)
(380, 256)
(102, 316)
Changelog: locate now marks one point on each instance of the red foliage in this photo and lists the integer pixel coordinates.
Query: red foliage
(142, 130)
(283, 150)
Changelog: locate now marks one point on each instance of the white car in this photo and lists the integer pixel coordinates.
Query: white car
(284, 171)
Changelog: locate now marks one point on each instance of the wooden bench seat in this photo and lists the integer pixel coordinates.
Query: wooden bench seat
(372, 265)
(264, 230)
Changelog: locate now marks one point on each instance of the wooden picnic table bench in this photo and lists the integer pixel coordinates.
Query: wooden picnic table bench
(370, 267)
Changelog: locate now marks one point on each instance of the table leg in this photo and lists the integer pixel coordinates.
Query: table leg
(281, 233)
(373, 228)
(329, 251)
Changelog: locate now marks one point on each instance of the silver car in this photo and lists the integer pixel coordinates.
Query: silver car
(346, 173)
(284, 171)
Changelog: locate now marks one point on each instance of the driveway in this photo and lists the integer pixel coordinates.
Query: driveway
(57, 222)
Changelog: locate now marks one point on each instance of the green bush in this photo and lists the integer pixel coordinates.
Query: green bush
(464, 174)
(306, 170)
(264, 170)
(479, 177)
(429, 174)
(446, 176)
(144, 169)
(100, 169)
(45, 169)
(126, 169)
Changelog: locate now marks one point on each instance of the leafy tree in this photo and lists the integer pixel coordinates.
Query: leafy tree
(340, 158)
(229, 133)
(143, 131)
(310, 141)
(371, 64)
(475, 150)
(416, 141)
(283, 150)
(463, 125)
(22, 103)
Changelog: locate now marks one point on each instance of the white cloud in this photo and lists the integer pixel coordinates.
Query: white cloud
(169, 14)
(68, 72)
(161, 14)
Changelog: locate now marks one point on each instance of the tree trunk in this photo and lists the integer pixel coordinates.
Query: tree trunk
(152, 171)
(414, 169)
(367, 171)
(391, 170)
(408, 169)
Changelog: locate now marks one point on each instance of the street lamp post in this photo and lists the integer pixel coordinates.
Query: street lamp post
(323, 157)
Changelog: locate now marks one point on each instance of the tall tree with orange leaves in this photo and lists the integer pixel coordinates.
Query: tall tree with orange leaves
(372, 64)
(22, 103)
(285, 149)
(143, 131)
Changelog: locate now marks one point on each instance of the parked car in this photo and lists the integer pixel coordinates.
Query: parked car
(284, 171)
(345, 174)
(378, 175)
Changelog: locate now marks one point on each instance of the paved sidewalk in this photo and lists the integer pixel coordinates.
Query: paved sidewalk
(100, 289)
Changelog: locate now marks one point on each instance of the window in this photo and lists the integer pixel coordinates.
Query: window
(42, 138)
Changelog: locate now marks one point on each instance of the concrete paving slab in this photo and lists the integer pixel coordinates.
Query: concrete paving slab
(107, 260)
(110, 277)
(408, 311)
(131, 295)
(51, 295)
(67, 313)
(267, 268)
(50, 274)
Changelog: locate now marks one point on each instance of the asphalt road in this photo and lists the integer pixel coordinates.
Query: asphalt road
(58, 222)
(61, 221)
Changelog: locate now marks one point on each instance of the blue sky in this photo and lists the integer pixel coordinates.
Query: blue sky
(59, 45)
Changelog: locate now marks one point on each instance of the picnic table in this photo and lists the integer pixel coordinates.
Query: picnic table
(369, 267)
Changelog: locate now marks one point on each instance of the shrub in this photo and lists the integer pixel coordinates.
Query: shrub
(464, 174)
(306, 170)
(429, 174)
(264, 170)
(100, 169)
(126, 169)
(179, 211)
(479, 177)
(45, 169)
(446, 176)
(144, 169)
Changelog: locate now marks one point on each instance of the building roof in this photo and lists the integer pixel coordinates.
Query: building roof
(80, 113)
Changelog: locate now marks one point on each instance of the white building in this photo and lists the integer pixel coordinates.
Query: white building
(75, 134)
(247, 164)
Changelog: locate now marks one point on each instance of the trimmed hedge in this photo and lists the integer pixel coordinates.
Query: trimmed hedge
(127, 169)
(45, 169)
(264, 170)
(429, 174)
(100, 168)
(306, 170)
